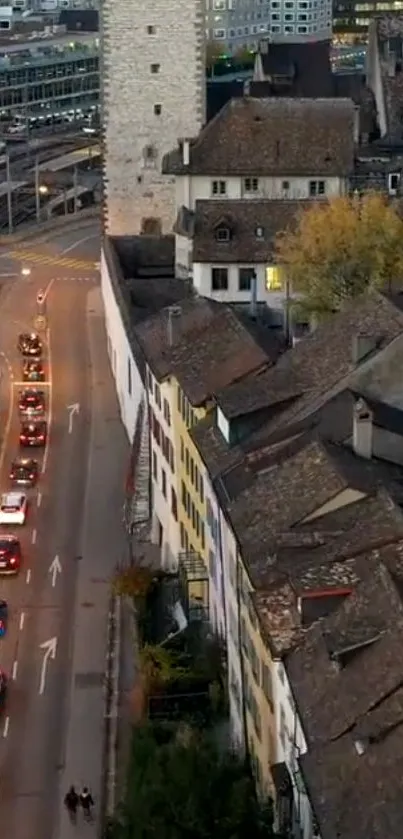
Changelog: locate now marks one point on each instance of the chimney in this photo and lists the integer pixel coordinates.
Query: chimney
(173, 314)
(356, 129)
(362, 429)
(253, 296)
(363, 345)
(186, 152)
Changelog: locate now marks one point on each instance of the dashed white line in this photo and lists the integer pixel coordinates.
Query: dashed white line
(33, 536)
(15, 670)
(28, 577)
(22, 621)
(6, 726)
(39, 499)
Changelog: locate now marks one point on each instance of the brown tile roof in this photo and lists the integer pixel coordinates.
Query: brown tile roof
(312, 370)
(323, 557)
(331, 691)
(243, 219)
(225, 351)
(292, 483)
(354, 795)
(346, 677)
(192, 318)
(312, 137)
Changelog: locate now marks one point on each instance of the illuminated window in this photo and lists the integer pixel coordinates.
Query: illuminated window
(273, 278)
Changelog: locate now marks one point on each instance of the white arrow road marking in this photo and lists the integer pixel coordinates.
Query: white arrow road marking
(55, 568)
(49, 648)
(72, 409)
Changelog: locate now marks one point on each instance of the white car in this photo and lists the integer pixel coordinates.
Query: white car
(13, 508)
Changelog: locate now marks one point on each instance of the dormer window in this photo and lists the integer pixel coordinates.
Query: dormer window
(223, 233)
(259, 232)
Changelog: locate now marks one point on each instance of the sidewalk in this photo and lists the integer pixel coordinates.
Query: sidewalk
(103, 545)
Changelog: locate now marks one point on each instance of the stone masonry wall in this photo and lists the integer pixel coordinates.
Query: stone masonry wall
(136, 35)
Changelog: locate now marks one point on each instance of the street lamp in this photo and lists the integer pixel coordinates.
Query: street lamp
(43, 190)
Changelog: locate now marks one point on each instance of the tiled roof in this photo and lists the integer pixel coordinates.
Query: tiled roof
(321, 557)
(346, 677)
(311, 137)
(318, 363)
(225, 351)
(253, 226)
(190, 317)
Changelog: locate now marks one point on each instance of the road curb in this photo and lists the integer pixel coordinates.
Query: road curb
(82, 219)
(112, 703)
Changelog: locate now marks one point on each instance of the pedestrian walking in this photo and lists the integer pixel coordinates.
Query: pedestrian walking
(87, 803)
(71, 801)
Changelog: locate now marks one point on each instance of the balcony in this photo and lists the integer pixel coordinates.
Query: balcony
(193, 586)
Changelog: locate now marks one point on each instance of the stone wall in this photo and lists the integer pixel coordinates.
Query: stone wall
(170, 35)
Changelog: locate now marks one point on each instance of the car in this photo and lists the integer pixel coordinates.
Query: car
(31, 403)
(10, 554)
(30, 345)
(33, 370)
(33, 434)
(3, 688)
(13, 508)
(24, 472)
(3, 617)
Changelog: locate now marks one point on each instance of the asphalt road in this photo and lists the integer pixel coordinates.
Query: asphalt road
(33, 724)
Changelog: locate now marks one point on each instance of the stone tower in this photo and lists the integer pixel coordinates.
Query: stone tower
(153, 81)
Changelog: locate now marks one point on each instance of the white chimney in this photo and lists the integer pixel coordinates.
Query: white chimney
(362, 429)
(186, 152)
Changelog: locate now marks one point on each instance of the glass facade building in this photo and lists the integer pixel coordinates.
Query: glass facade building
(50, 77)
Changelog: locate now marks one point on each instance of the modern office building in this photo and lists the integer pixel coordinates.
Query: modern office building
(49, 76)
(154, 90)
(241, 24)
(351, 18)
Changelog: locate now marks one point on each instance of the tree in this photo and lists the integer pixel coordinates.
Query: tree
(214, 52)
(134, 581)
(181, 786)
(340, 248)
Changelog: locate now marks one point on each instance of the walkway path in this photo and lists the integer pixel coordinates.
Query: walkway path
(103, 545)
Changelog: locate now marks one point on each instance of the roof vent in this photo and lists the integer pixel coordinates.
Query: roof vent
(360, 747)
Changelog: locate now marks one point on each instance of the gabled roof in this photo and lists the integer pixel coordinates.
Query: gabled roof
(319, 363)
(311, 137)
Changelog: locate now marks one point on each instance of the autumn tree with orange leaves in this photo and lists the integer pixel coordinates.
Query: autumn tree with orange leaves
(340, 248)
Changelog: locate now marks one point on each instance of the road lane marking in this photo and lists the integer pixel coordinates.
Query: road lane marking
(46, 453)
(72, 409)
(6, 726)
(47, 289)
(22, 621)
(28, 577)
(55, 568)
(38, 385)
(15, 670)
(9, 417)
(49, 648)
(39, 499)
(80, 242)
(34, 536)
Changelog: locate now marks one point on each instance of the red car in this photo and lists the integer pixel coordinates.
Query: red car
(33, 434)
(10, 554)
(31, 403)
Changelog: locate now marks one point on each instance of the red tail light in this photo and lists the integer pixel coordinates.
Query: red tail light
(23, 437)
(13, 560)
(42, 437)
(32, 476)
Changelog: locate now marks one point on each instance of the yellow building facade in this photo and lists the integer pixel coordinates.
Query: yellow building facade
(257, 689)
(190, 482)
